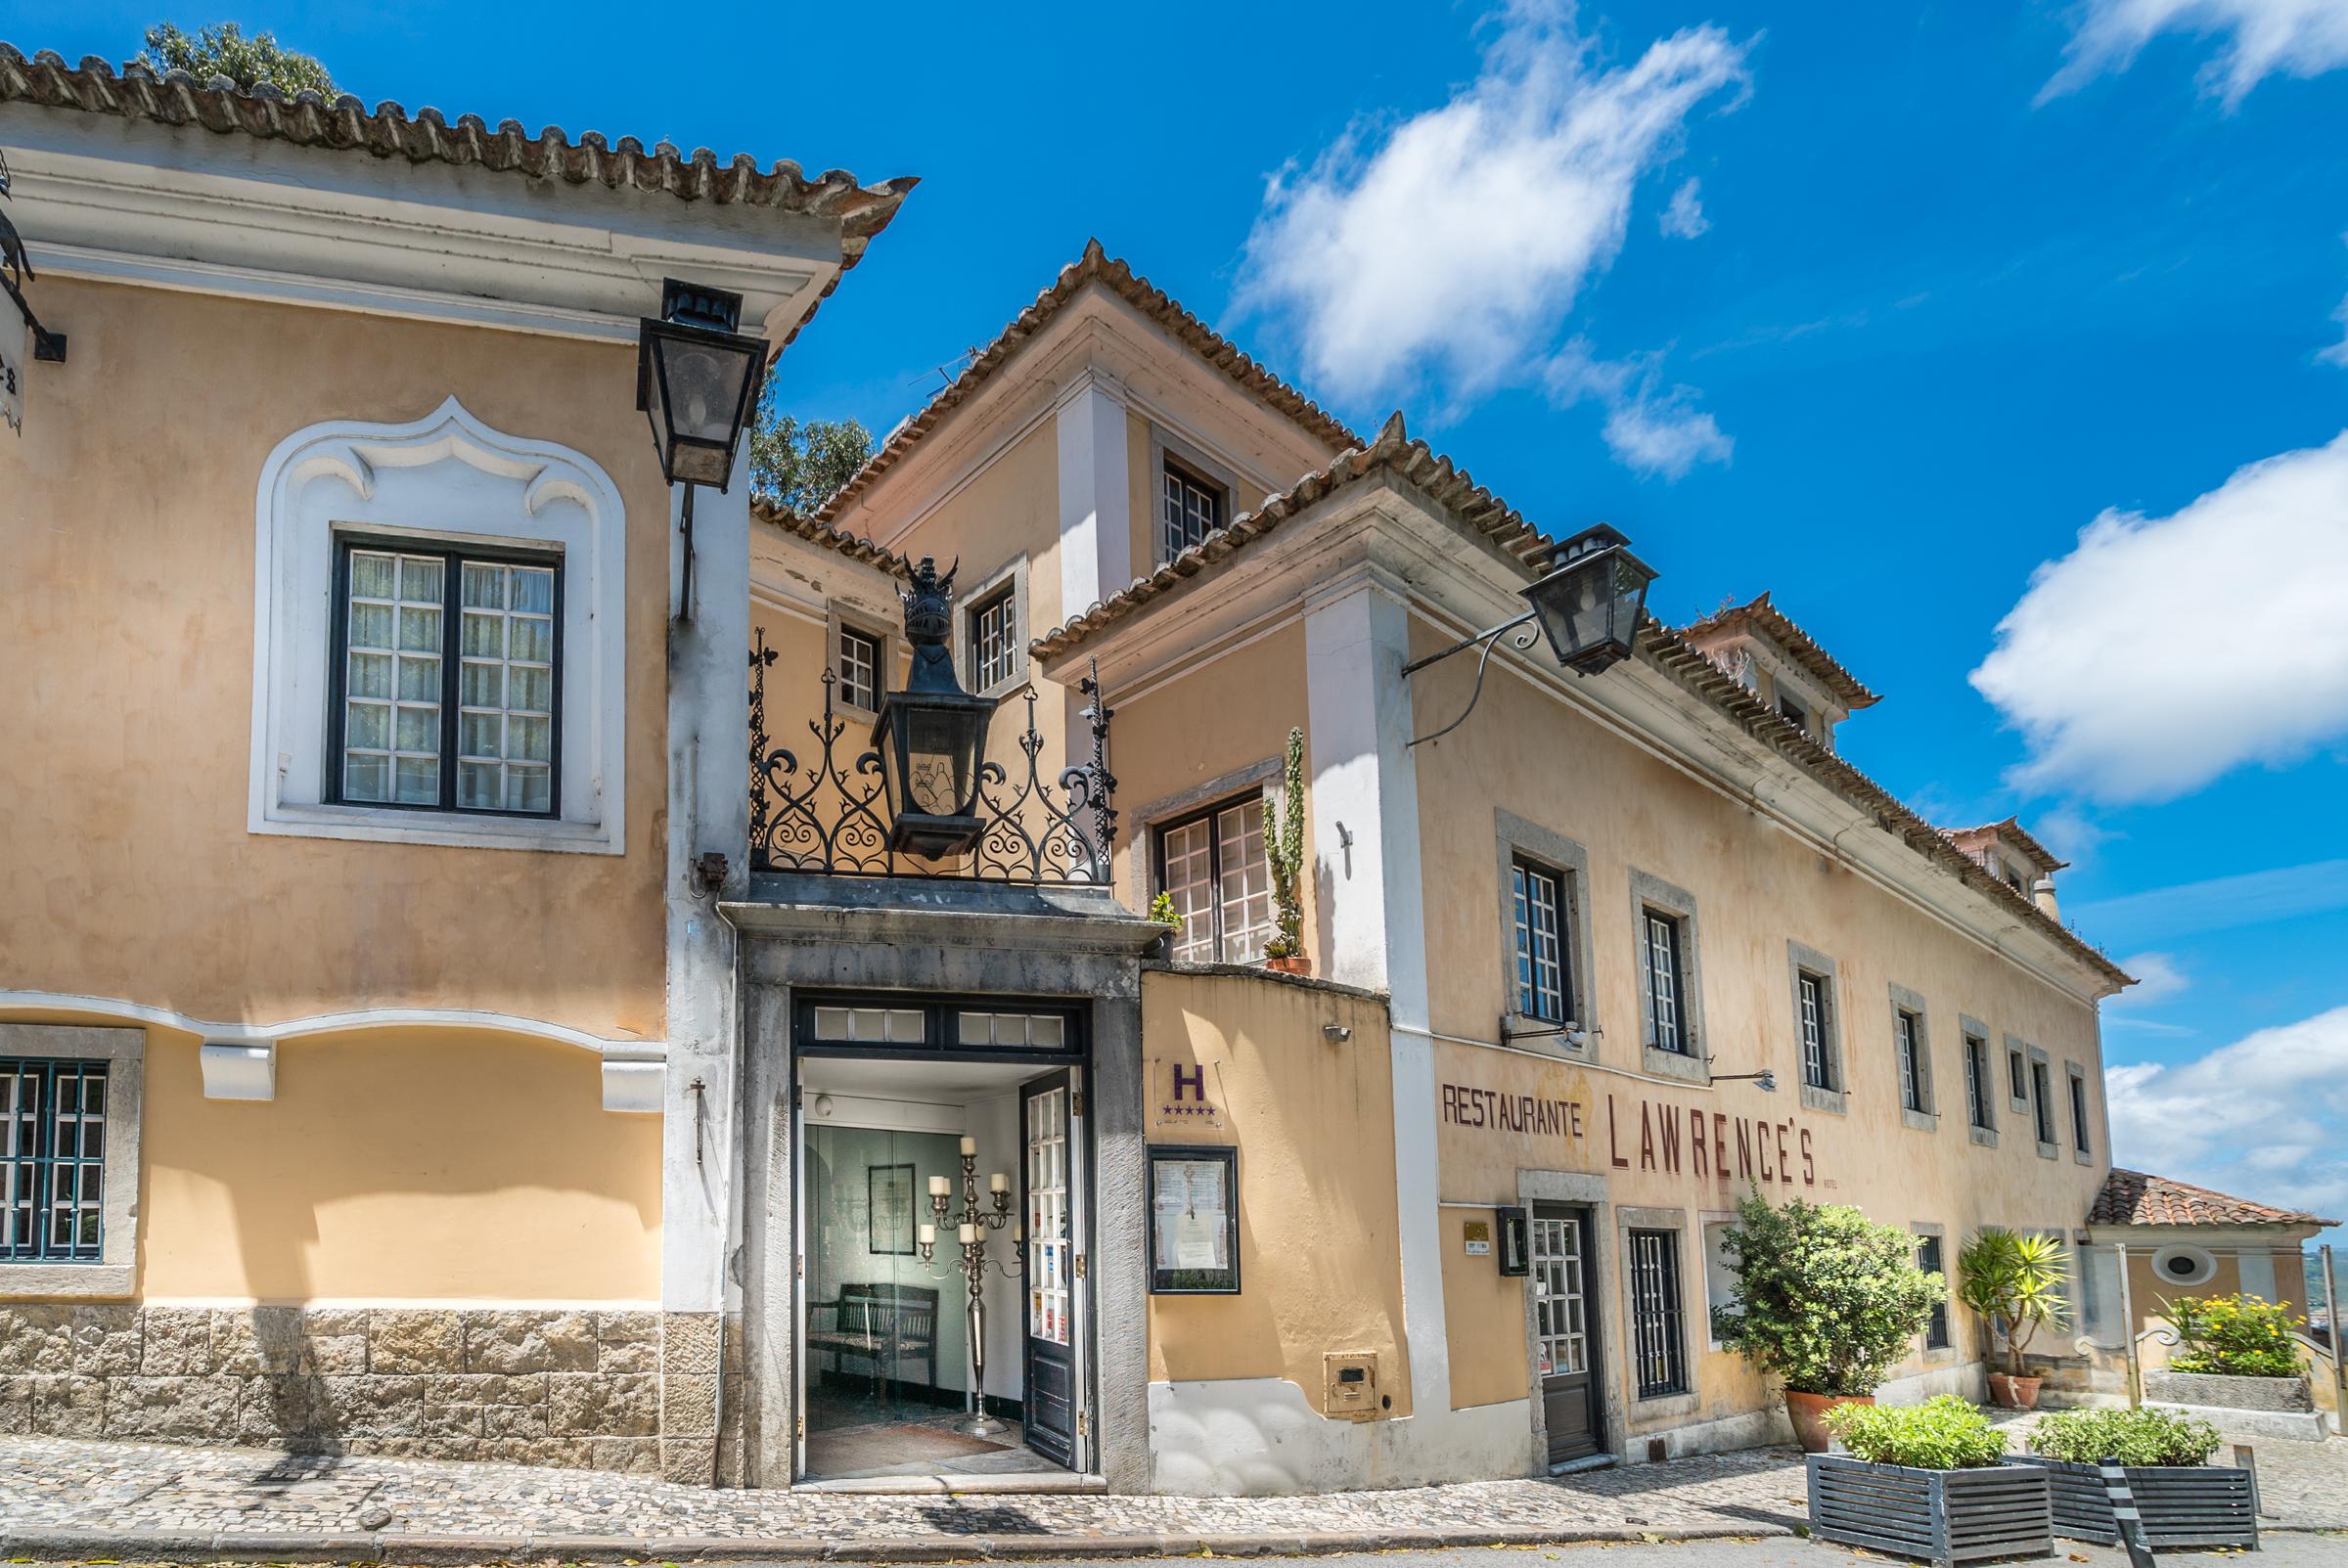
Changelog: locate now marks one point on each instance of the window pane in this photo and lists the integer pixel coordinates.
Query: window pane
(370, 726)
(365, 777)
(419, 629)
(420, 580)
(1246, 893)
(530, 788)
(369, 675)
(371, 625)
(418, 779)
(373, 575)
(1189, 885)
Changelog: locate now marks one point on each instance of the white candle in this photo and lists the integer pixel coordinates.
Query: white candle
(939, 1187)
(929, 1235)
(969, 1234)
(970, 1146)
(997, 1182)
(1019, 1232)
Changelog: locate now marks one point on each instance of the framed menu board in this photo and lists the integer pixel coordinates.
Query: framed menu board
(1195, 1221)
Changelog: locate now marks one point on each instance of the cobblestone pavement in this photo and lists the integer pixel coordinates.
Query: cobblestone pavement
(211, 1499)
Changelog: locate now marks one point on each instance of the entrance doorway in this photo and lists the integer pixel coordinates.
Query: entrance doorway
(1565, 1331)
(913, 1366)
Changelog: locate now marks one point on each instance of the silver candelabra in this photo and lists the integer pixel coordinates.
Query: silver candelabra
(970, 1232)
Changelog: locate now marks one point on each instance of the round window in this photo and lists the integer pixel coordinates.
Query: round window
(2184, 1265)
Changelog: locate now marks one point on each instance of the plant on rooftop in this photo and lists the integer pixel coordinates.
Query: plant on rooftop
(223, 50)
(2234, 1336)
(1284, 848)
(1943, 1433)
(2139, 1437)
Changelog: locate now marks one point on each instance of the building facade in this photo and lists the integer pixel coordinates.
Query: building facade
(462, 997)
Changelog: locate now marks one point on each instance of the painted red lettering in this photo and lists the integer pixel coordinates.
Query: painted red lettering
(1646, 1138)
(1720, 1145)
(1696, 1144)
(1785, 1165)
(1671, 1139)
(1744, 1147)
(1809, 1167)
(1614, 1142)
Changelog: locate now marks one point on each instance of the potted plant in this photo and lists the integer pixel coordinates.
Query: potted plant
(1827, 1301)
(2016, 1282)
(1928, 1481)
(2184, 1499)
(2237, 1353)
(1284, 849)
(1163, 912)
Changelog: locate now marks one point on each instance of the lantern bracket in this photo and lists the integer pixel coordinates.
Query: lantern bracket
(1522, 642)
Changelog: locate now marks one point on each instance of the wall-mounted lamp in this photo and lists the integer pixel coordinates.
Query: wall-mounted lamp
(1336, 1034)
(1574, 1033)
(1586, 605)
(697, 380)
(1766, 1078)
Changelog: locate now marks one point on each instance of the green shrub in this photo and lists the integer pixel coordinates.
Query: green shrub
(2141, 1437)
(1943, 1433)
(1827, 1299)
(2016, 1281)
(2235, 1336)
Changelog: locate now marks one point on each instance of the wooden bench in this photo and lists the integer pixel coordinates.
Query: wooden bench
(885, 1324)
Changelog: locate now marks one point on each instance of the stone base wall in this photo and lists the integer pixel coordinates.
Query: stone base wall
(586, 1389)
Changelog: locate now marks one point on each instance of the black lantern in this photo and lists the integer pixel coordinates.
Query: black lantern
(696, 379)
(931, 735)
(1589, 601)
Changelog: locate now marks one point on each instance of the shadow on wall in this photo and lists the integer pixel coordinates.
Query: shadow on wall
(442, 1166)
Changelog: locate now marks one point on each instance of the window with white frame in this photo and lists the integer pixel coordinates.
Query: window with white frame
(1666, 1014)
(1543, 983)
(996, 655)
(1814, 998)
(449, 707)
(859, 669)
(1189, 509)
(1213, 867)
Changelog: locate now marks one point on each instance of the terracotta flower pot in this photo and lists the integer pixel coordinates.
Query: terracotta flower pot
(1809, 1416)
(2011, 1392)
(1294, 966)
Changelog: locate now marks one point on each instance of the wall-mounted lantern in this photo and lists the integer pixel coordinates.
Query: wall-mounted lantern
(697, 381)
(15, 270)
(1586, 605)
(1515, 1258)
(931, 735)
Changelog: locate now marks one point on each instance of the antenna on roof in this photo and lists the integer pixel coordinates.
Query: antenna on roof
(945, 376)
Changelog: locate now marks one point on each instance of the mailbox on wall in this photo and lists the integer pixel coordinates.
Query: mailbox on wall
(1516, 1242)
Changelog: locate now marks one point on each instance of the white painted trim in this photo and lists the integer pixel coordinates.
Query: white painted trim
(365, 1018)
(1096, 493)
(443, 478)
(239, 1070)
(125, 1051)
(431, 1303)
(635, 1085)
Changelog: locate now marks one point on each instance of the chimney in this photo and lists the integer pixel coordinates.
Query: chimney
(2042, 893)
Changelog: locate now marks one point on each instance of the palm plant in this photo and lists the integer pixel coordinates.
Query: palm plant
(2017, 1283)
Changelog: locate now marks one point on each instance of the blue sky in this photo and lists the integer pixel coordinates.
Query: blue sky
(1878, 307)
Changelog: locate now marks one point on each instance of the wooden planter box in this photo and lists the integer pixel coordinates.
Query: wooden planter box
(1944, 1516)
(2182, 1506)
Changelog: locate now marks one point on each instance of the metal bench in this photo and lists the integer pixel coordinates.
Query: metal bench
(885, 1325)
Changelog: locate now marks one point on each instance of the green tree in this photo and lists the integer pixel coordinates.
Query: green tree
(803, 465)
(223, 50)
(1827, 1299)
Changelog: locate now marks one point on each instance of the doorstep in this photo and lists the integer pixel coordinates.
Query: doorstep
(1065, 1483)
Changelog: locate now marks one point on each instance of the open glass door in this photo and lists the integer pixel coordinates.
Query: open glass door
(1050, 1179)
(800, 1232)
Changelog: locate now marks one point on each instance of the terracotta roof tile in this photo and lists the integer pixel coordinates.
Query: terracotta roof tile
(1773, 623)
(1095, 265)
(1974, 840)
(2132, 1197)
(767, 509)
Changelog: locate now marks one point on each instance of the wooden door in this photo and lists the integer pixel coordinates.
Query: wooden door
(1050, 1186)
(1565, 1332)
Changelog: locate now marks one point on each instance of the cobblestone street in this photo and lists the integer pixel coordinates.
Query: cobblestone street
(61, 1497)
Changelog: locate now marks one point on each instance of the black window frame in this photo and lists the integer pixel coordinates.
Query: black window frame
(453, 556)
(1170, 1281)
(1214, 854)
(1212, 489)
(1521, 869)
(1794, 713)
(1936, 1326)
(1004, 596)
(941, 1029)
(35, 1170)
(1830, 1068)
(1977, 1077)
(1675, 952)
(1658, 1313)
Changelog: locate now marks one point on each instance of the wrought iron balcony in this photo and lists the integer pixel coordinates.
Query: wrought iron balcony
(825, 810)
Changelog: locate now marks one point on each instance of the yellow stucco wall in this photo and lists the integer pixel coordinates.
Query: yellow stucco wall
(1320, 1257)
(1483, 1315)
(1142, 485)
(127, 517)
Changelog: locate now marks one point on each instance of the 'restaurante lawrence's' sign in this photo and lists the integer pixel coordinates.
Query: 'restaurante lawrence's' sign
(1641, 1132)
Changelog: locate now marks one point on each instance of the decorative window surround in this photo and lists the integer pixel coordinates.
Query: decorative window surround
(1265, 776)
(1675, 1220)
(1926, 1120)
(1692, 1066)
(1985, 1136)
(2016, 1080)
(443, 478)
(967, 603)
(2041, 1095)
(125, 1051)
(1521, 838)
(1799, 959)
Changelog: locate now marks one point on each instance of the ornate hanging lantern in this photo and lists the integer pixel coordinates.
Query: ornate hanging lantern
(931, 736)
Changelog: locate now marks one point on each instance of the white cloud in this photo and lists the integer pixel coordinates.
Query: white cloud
(2264, 1118)
(2165, 651)
(2157, 978)
(2067, 830)
(2219, 904)
(1683, 218)
(1649, 427)
(2257, 39)
(1450, 246)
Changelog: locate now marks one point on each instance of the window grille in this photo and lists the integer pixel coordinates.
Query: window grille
(1214, 870)
(1976, 1082)
(450, 711)
(1192, 509)
(1663, 1003)
(1661, 1359)
(995, 652)
(1541, 971)
(1911, 1067)
(859, 670)
(1818, 1059)
(52, 1160)
(1936, 1326)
